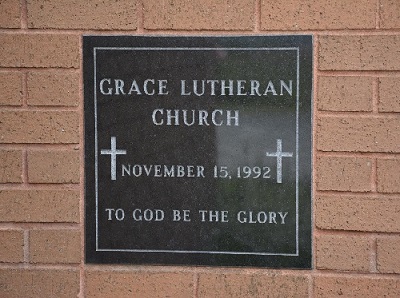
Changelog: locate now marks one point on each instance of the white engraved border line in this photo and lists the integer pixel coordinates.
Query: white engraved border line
(198, 49)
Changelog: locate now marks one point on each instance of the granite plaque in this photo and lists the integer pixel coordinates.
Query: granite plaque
(198, 150)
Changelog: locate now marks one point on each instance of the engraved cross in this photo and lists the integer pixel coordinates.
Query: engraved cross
(113, 152)
(279, 155)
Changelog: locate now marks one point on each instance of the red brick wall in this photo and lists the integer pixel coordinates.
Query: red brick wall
(356, 146)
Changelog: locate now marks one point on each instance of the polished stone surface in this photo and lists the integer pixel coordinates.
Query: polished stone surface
(198, 150)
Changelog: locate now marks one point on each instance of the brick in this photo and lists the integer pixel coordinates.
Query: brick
(39, 50)
(358, 134)
(350, 253)
(354, 286)
(388, 180)
(39, 127)
(344, 174)
(317, 14)
(365, 52)
(11, 88)
(389, 14)
(199, 15)
(10, 14)
(345, 94)
(54, 246)
(39, 206)
(53, 88)
(11, 246)
(37, 283)
(388, 255)
(138, 284)
(105, 15)
(241, 285)
(53, 167)
(389, 90)
(357, 214)
(11, 166)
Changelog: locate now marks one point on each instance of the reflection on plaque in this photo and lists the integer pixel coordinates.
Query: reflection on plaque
(198, 150)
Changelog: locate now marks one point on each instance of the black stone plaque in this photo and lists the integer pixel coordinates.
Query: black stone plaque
(198, 150)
